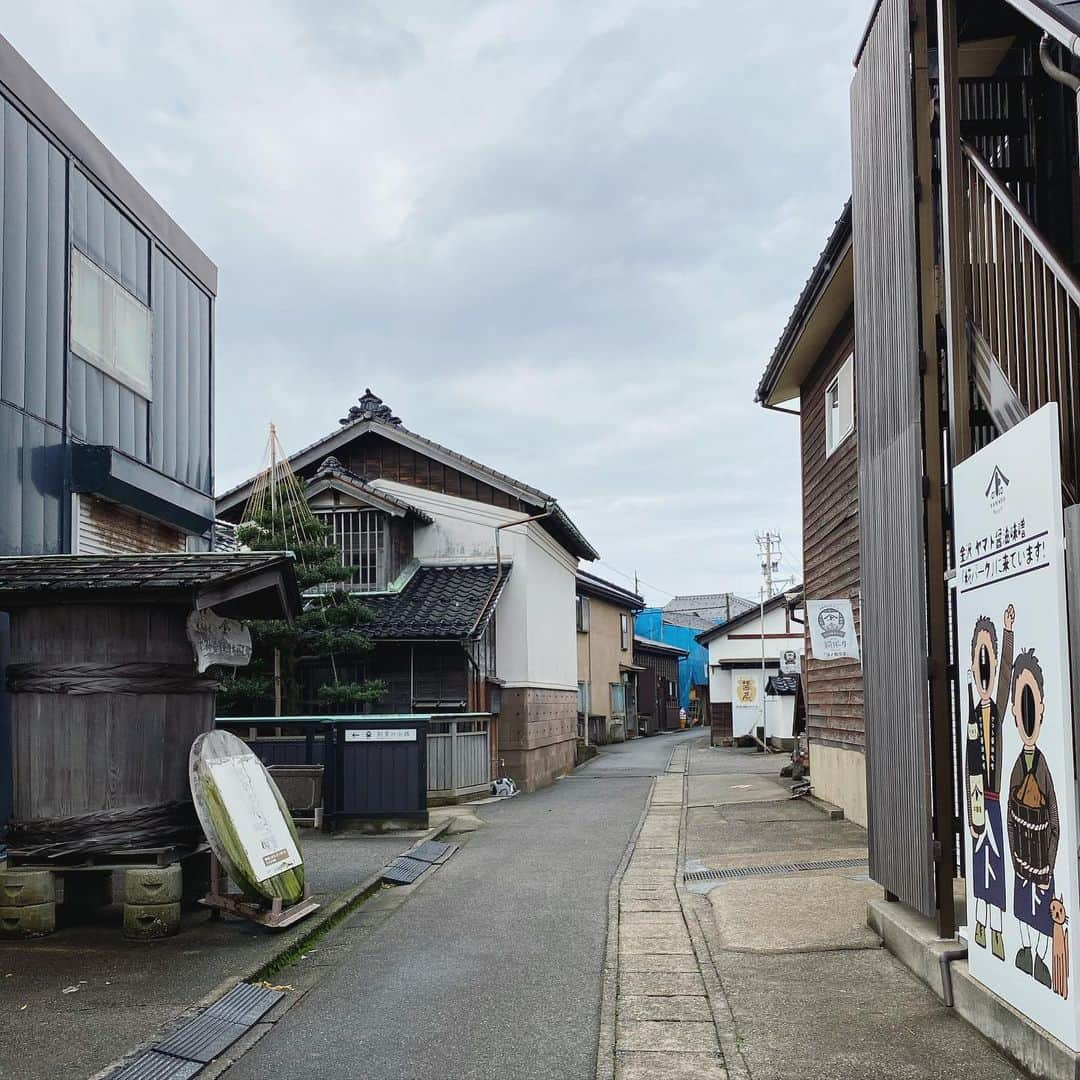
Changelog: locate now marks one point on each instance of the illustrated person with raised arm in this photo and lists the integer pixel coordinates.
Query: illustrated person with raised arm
(1034, 829)
(984, 773)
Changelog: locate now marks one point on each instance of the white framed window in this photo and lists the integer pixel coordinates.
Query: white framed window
(110, 327)
(618, 699)
(624, 631)
(583, 614)
(840, 406)
(583, 698)
(360, 536)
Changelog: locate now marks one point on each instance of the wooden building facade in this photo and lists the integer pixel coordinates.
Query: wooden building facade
(658, 685)
(813, 366)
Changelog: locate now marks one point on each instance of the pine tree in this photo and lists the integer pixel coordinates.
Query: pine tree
(329, 629)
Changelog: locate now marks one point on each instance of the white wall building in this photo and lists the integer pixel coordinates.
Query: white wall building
(738, 693)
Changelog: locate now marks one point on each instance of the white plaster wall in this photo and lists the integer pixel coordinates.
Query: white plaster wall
(535, 622)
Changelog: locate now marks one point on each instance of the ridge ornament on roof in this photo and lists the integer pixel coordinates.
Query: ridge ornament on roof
(371, 407)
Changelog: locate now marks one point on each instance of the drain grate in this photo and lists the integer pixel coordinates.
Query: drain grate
(404, 870)
(245, 1004)
(202, 1039)
(776, 868)
(155, 1066)
(432, 851)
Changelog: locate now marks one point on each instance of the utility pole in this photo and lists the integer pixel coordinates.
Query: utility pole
(769, 552)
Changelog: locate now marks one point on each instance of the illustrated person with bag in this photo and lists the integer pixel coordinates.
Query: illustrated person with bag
(984, 774)
(1034, 829)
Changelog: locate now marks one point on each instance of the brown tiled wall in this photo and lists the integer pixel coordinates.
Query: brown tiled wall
(537, 734)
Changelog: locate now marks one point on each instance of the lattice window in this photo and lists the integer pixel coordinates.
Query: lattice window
(360, 535)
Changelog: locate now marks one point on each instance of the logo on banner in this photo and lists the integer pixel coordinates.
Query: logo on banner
(995, 490)
(832, 623)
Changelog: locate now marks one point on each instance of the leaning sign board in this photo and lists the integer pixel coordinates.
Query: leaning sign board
(1020, 804)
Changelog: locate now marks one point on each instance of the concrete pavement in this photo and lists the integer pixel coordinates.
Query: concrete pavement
(493, 968)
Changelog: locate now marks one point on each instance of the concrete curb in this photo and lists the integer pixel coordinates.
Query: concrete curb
(290, 940)
(723, 1018)
(605, 1047)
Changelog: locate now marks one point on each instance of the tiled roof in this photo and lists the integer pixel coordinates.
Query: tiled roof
(439, 603)
(332, 469)
(704, 611)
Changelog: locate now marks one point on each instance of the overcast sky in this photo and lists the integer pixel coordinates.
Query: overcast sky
(559, 236)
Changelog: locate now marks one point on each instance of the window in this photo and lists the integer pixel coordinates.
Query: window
(110, 328)
(583, 614)
(583, 698)
(618, 699)
(624, 630)
(840, 406)
(361, 537)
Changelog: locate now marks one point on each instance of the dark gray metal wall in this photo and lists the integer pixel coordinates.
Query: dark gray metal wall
(891, 509)
(180, 411)
(48, 394)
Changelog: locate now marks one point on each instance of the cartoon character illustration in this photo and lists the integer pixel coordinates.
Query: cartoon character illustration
(984, 774)
(1059, 974)
(1034, 829)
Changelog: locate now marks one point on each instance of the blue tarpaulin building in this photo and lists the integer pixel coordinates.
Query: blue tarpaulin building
(680, 621)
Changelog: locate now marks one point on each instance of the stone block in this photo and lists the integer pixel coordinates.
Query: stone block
(148, 921)
(685, 1037)
(662, 983)
(665, 1008)
(650, 1065)
(19, 888)
(29, 920)
(153, 885)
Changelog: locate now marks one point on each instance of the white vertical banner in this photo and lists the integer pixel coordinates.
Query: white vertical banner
(1015, 690)
(747, 699)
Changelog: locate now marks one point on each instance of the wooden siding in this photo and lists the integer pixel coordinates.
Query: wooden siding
(834, 688)
(891, 541)
(376, 458)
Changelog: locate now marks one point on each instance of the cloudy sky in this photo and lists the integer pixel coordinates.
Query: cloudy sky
(559, 236)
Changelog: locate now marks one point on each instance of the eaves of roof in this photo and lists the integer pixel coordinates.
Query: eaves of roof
(591, 585)
(347, 480)
(400, 434)
(771, 604)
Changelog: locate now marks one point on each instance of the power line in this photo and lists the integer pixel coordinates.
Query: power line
(634, 578)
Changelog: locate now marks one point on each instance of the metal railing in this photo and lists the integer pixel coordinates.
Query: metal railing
(1025, 308)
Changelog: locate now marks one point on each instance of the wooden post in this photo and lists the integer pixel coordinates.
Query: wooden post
(277, 683)
(954, 234)
(937, 627)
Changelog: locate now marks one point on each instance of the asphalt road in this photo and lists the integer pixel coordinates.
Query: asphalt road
(491, 970)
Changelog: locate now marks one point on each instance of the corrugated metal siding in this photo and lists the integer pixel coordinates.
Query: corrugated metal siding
(31, 485)
(180, 411)
(107, 529)
(834, 689)
(890, 463)
(32, 269)
(101, 410)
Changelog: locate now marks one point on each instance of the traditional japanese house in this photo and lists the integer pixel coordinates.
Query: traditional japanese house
(658, 685)
(744, 658)
(106, 351)
(471, 576)
(812, 374)
(607, 674)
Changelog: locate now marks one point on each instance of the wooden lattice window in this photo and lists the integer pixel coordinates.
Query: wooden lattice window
(360, 535)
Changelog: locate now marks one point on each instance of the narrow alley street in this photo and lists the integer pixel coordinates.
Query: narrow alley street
(499, 965)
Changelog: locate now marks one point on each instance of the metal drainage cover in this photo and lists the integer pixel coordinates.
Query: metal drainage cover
(404, 871)
(432, 851)
(245, 1004)
(202, 1039)
(155, 1066)
(777, 868)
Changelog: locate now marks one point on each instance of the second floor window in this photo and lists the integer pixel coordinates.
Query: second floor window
(840, 406)
(361, 537)
(583, 614)
(624, 631)
(110, 328)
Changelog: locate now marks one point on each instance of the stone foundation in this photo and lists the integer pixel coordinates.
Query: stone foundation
(839, 777)
(537, 735)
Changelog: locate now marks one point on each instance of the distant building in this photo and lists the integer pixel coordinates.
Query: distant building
(607, 675)
(678, 623)
(658, 694)
(746, 693)
(472, 577)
